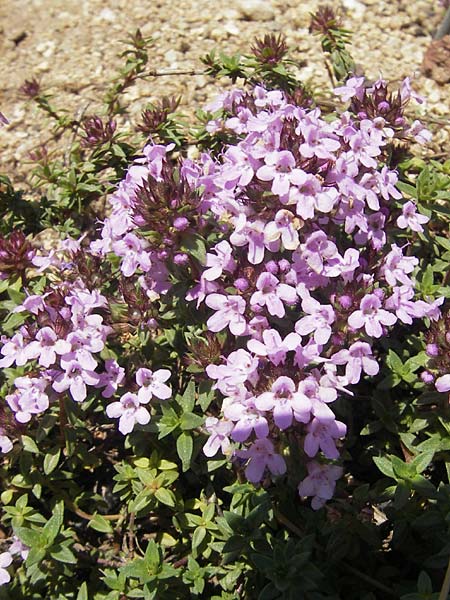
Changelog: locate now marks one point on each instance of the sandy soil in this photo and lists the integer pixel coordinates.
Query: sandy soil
(71, 47)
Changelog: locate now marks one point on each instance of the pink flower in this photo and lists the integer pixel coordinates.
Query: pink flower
(320, 483)
(129, 412)
(323, 435)
(153, 384)
(29, 399)
(443, 383)
(262, 455)
(47, 346)
(74, 379)
(271, 293)
(5, 561)
(318, 320)
(219, 262)
(410, 218)
(230, 311)
(371, 316)
(357, 358)
(285, 402)
(219, 432)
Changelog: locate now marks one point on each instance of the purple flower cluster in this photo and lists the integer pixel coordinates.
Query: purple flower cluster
(306, 277)
(304, 273)
(60, 347)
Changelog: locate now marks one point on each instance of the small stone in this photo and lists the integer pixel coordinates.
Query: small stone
(107, 15)
(256, 10)
(355, 7)
(436, 62)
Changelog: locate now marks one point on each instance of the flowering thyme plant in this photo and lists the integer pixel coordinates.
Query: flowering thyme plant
(254, 331)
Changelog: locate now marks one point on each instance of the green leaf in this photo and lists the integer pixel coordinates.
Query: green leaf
(424, 585)
(51, 460)
(194, 245)
(402, 469)
(99, 523)
(421, 461)
(29, 445)
(185, 447)
(198, 537)
(63, 554)
(165, 496)
(83, 592)
(187, 400)
(384, 465)
(30, 537)
(401, 495)
(191, 421)
(54, 524)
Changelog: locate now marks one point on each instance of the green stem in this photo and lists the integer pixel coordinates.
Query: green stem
(446, 585)
(373, 582)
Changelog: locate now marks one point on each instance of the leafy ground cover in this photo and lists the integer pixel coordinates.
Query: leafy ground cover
(229, 376)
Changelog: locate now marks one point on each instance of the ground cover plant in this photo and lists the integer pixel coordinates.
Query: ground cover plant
(231, 380)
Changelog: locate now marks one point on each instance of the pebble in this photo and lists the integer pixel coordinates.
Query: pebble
(256, 10)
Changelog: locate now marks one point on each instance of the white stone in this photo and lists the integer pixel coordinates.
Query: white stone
(107, 14)
(355, 7)
(256, 10)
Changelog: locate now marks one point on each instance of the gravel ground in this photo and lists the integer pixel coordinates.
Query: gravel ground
(71, 47)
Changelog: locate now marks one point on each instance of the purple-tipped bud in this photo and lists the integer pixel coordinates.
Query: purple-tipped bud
(284, 265)
(241, 284)
(432, 349)
(152, 323)
(379, 293)
(426, 377)
(384, 106)
(162, 254)
(346, 301)
(272, 267)
(181, 259)
(181, 223)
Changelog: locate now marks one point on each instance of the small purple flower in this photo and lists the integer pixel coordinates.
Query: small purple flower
(221, 261)
(219, 436)
(230, 311)
(153, 384)
(284, 226)
(354, 87)
(443, 383)
(241, 366)
(410, 218)
(134, 254)
(47, 346)
(319, 397)
(318, 320)
(243, 411)
(285, 402)
(319, 483)
(111, 379)
(5, 561)
(6, 444)
(357, 358)
(262, 455)
(323, 435)
(16, 350)
(271, 293)
(278, 168)
(129, 412)
(29, 399)
(371, 316)
(271, 346)
(74, 378)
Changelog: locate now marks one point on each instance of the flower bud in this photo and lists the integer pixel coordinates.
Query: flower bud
(181, 223)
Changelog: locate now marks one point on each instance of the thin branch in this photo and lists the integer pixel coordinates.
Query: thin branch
(446, 585)
(444, 27)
